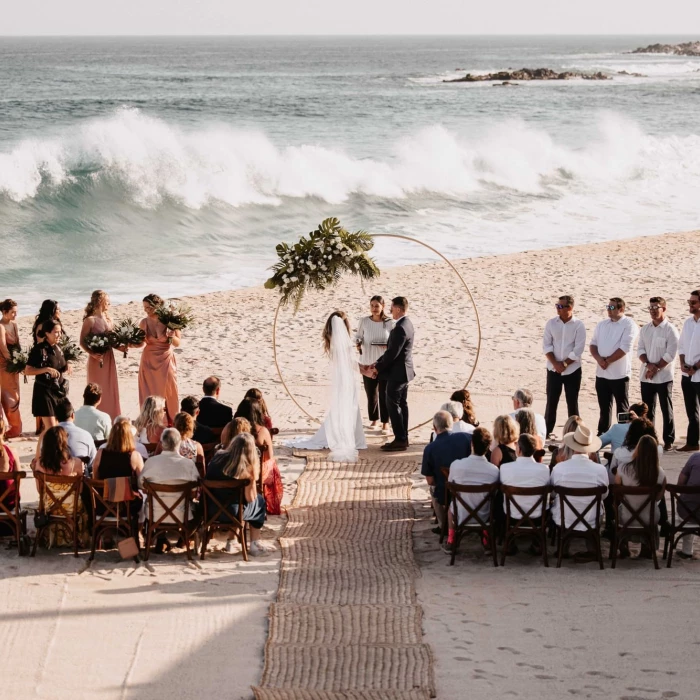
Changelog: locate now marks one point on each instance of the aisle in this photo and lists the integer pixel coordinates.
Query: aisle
(346, 623)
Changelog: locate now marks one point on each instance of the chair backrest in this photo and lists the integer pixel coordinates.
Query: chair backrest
(594, 493)
(199, 463)
(182, 495)
(57, 502)
(103, 507)
(456, 492)
(9, 486)
(635, 519)
(209, 450)
(217, 431)
(218, 496)
(538, 508)
(692, 517)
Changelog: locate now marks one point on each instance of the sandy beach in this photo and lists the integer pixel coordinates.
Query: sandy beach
(179, 630)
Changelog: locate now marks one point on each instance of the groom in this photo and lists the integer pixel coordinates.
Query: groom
(395, 366)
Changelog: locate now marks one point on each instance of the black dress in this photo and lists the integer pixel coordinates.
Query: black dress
(47, 391)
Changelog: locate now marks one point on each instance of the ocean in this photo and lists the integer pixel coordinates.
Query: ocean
(174, 165)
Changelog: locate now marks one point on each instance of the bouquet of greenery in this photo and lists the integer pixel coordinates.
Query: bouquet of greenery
(319, 261)
(98, 343)
(175, 317)
(126, 334)
(17, 361)
(71, 351)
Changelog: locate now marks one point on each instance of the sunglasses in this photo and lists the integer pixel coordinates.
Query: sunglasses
(562, 306)
(692, 302)
(655, 308)
(611, 307)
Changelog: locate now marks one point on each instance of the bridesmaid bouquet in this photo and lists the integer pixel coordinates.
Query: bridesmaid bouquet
(17, 362)
(71, 351)
(126, 334)
(175, 317)
(99, 344)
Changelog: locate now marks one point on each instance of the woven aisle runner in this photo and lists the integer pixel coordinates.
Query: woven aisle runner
(346, 625)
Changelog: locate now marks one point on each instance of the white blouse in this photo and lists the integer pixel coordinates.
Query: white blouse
(373, 335)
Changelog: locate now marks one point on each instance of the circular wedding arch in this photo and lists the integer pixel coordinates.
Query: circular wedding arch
(450, 265)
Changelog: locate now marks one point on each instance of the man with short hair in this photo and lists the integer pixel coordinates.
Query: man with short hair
(657, 350)
(611, 345)
(212, 412)
(88, 417)
(563, 345)
(447, 448)
(525, 472)
(689, 353)
(202, 434)
(80, 442)
(523, 398)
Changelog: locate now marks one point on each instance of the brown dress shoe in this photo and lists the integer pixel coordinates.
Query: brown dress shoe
(395, 446)
(688, 448)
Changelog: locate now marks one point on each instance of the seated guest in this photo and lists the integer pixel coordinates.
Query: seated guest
(525, 418)
(202, 433)
(615, 436)
(522, 398)
(472, 471)
(8, 463)
(88, 417)
(578, 472)
(687, 503)
(445, 449)
(456, 410)
(257, 395)
(623, 455)
(212, 412)
(525, 472)
(169, 467)
(80, 442)
(468, 413)
(138, 446)
(184, 424)
(151, 421)
(240, 461)
(505, 437)
(236, 427)
(642, 470)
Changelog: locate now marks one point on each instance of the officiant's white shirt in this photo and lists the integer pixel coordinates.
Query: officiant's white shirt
(369, 332)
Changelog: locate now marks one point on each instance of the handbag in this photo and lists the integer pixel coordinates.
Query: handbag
(41, 520)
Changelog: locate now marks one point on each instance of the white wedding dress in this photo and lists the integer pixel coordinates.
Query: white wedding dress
(341, 430)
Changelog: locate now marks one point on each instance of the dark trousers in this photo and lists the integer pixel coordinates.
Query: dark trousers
(691, 398)
(665, 393)
(376, 398)
(396, 401)
(571, 383)
(607, 390)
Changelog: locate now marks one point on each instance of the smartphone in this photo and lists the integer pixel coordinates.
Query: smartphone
(623, 417)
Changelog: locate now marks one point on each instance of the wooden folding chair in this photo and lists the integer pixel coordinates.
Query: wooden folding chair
(151, 447)
(209, 450)
(687, 525)
(523, 523)
(13, 515)
(55, 509)
(217, 513)
(566, 533)
(217, 432)
(169, 520)
(473, 522)
(645, 530)
(108, 515)
(199, 463)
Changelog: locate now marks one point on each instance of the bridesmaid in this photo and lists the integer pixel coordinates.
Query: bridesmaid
(9, 383)
(97, 320)
(158, 369)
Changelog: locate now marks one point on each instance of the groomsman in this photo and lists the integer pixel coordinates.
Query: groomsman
(563, 345)
(657, 350)
(689, 352)
(611, 345)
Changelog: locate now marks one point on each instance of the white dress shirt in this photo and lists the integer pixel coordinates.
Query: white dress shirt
(610, 336)
(579, 472)
(473, 471)
(526, 473)
(566, 340)
(689, 344)
(369, 332)
(658, 343)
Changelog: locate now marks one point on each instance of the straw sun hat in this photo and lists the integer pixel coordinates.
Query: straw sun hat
(582, 440)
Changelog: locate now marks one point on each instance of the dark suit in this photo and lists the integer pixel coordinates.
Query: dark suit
(213, 413)
(395, 367)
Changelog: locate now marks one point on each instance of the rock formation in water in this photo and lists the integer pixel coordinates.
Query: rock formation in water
(528, 74)
(689, 48)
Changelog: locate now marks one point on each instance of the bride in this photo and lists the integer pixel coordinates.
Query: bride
(342, 427)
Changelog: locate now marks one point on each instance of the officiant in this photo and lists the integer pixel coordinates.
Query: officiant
(371, 340)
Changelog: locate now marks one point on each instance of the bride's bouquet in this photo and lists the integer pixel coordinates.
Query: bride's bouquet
(17, 362)
(126, 334)
(98, 343)
(175, 317)
(71, 350)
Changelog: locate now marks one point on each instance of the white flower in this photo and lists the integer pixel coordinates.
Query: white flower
(294, 279)
(312, 266)
(285, 279)
(290, 268)
(357, 266)
(324, 268)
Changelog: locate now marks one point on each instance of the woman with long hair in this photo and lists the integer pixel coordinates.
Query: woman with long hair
(9, 383)
(97, 321)
(525, 418)
(257, 395)
(184, 424)
(240, 461)
(371, 341)
(151, 421)
(465, 398)
(158, 368)
(231, 429)
(505, 434)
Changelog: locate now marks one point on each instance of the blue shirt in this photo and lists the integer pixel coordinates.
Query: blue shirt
(445, 449)
(615, 436)
(80, 442)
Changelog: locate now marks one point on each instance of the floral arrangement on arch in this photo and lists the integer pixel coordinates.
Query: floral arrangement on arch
(319, 261)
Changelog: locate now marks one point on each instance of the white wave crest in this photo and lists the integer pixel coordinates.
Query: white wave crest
(153, 160)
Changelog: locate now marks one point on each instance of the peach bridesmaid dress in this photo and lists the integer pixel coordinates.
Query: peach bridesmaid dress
(105, 376)
(9, 387)
(158, 370)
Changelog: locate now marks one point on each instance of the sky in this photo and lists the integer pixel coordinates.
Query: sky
(240, 17)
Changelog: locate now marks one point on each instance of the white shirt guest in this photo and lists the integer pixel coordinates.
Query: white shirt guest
(689, 343)
(526, 473)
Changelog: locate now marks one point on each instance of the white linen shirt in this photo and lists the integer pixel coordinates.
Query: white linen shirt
(473, 471)
(369, 332)
(689, 344)
(579, 472)
(526, 473)
(610, 336)
(658, 343)
(566, 340)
